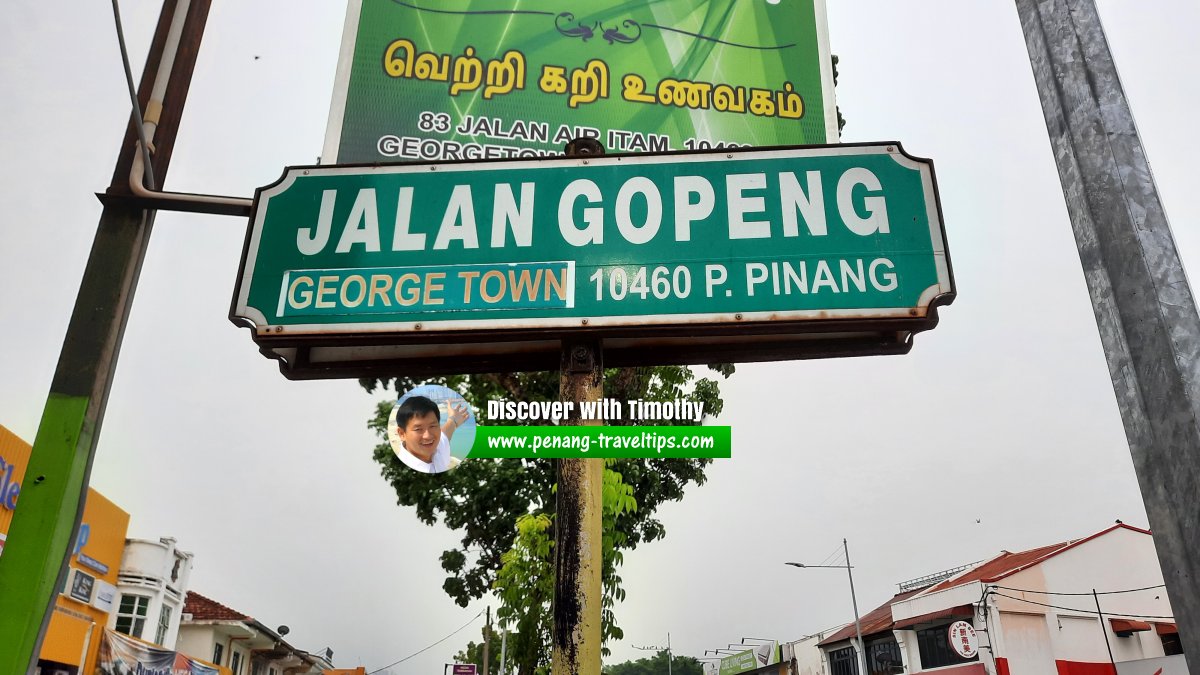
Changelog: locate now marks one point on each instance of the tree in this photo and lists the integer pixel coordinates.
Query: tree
(657, 665)
(486, 499)
(473, 653)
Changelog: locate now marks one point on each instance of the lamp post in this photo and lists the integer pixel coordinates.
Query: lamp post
(860, 648)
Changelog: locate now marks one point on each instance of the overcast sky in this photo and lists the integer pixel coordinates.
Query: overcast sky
(998, 431)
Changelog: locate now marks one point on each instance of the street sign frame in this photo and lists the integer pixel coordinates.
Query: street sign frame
(423, 350)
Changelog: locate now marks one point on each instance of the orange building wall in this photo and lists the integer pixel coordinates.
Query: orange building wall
(15, 452)
(75, 627)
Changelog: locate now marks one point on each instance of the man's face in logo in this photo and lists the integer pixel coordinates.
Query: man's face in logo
(421, 436)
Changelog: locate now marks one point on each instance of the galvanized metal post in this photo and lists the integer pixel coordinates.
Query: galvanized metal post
(46, 521)
(862, 648)
(1144, 307)
(578, 556)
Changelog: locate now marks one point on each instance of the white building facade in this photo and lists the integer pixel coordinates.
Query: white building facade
(1033, 613)
(151, 586)
(236, 641)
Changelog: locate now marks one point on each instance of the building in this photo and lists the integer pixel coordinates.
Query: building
(127, 600)
(152, 584)
(86, 602)
(1028, 613)
(241, 643)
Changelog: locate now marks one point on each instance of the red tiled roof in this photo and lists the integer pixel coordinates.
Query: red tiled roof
(204, 609)
(1002, 565)
(878, 620)
(1007, 564)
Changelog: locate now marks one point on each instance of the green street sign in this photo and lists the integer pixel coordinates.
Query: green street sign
(741, 254)
(489, 79)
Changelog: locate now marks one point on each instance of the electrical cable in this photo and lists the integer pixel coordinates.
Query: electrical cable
(829, 559)
(136, 113)
(984, 615)
(1129, 590)
(1083, 611)
(430, 646)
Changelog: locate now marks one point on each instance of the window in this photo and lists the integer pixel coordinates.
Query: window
(934, 644)
(272, 671)
(256, 667)
(883, 658)
(218, 653)
(131, 615)
(1171, 644)
(235, 662)
(843, 662)
(164, 625)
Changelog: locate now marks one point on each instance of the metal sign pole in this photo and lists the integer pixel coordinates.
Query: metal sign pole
(578, 555)
(1144, 307)
(46, 523)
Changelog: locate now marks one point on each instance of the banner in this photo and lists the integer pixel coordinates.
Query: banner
(750, 659)
(602, 441)
(122, 655)
(489, 79)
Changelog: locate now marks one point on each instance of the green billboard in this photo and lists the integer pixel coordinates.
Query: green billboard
(489, 79)
(751, 659)
(505, 251)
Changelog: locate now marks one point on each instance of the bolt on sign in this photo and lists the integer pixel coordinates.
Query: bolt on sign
(420, 80)
(744, 255)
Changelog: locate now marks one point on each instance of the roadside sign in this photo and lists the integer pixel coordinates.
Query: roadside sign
(741, 255)
(750, 659)
(463, 669)
(964, 640)
(479, 80)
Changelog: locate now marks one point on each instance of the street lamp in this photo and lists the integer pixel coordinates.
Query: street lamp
(861, 648)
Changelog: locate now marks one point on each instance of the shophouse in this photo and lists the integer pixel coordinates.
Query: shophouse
(87, 600)
(152, 584)
(241, 643)
(1088, 606)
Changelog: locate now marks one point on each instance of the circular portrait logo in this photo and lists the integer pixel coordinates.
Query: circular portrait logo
(431, 428)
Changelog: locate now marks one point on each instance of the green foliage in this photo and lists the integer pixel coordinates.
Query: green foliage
(474, 653)
(525, 585)
(657, 665)
(484, 499)
(618, 500)
(841, 121)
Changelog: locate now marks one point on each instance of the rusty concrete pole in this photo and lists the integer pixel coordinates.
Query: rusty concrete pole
(34, 564)
(1144, 307)
(578, 557)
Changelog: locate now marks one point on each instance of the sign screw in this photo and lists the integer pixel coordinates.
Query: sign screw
(585, 322)
(891, 148)
(738, 317)
(417, 327)
(278, 329)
